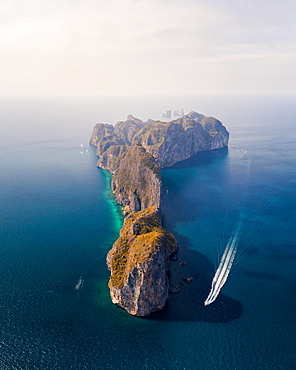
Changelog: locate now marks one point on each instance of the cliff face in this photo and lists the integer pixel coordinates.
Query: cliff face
(136, 179)
(139, 262)
(172, 142)
(126, 130)
(136, 182)
(104, 136)
(111, 159)
(168, 142)
(133, 151)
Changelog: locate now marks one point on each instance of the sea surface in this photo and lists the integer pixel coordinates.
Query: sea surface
(59, 219)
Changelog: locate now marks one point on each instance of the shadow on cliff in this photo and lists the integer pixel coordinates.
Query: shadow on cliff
(188, 304)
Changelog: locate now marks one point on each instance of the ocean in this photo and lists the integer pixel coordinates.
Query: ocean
(59, 219)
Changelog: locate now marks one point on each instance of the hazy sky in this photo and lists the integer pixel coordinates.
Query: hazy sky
(117, 47)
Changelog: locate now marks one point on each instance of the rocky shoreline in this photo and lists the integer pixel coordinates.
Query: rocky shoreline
(134, 151)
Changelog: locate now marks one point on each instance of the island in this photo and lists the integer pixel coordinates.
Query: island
(179, 112)
(134, 152)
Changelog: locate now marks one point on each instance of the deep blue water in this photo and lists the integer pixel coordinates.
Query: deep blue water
(58, 220)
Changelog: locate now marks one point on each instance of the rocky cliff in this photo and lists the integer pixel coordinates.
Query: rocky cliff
(136, 179)
(126, 130)
(137, 182)
(133, 151)
(172, 142)
(139, 262)
(168, 142)
(105, 136)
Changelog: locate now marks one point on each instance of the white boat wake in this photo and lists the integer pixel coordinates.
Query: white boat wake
(225, 265)
(79, 284)
(83, 151)
(232, 253)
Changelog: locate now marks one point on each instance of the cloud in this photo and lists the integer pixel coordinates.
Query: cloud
(117, 46)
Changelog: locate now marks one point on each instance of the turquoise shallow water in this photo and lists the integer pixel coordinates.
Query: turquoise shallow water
(58, 220)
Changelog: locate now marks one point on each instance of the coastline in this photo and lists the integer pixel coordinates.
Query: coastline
(116, 208)
(134, 152)
(45, 249)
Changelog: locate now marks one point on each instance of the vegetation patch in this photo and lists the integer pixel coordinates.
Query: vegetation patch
(140, 238)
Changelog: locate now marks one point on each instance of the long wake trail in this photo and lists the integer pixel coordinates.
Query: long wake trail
(232, 253)
(225, 265)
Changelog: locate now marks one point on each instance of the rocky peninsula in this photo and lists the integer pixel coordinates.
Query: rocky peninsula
(134, 151)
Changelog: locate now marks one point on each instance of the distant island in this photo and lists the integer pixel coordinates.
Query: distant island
(134, 152)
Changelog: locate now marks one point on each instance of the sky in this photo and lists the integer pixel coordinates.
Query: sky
(147, 47)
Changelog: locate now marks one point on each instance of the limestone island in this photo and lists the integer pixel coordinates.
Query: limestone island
(134, 152)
